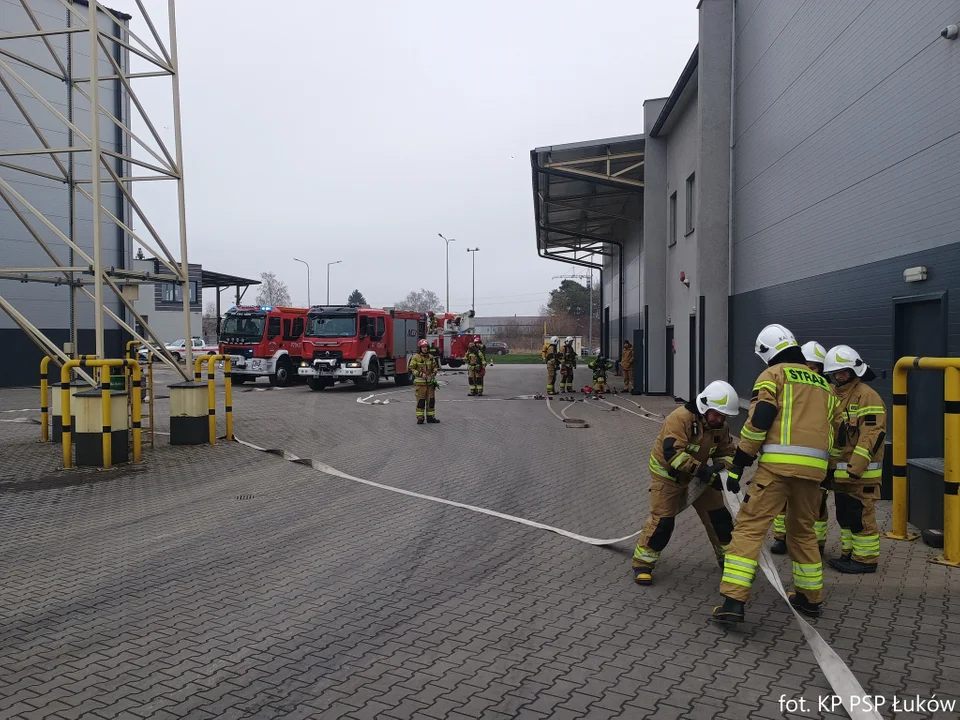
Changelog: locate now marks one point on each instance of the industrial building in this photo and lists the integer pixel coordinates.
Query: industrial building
(804, 171)
(46, 305)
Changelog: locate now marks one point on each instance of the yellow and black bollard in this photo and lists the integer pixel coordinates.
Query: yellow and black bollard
(101, 418)
(44, 400)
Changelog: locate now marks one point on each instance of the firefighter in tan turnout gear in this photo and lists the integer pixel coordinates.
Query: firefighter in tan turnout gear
(793, 419)
(568, 363)
(694, 443)
(626, 365)
(551, 356)
(477, 366)
(858, 457)
(814, 355)
(425, 367)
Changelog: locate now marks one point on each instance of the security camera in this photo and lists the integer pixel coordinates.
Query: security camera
(950, 32)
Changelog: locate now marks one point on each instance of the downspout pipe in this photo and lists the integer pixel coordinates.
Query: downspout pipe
(733, 89)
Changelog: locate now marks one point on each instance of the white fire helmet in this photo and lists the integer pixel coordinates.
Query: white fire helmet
(719, 396)
(554, 340)
(772, 340)
(844, 357)
(568, 340)
(814, 352)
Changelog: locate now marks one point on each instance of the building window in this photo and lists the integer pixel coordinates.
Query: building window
(691, 181)
(172, 292)
(672, 223)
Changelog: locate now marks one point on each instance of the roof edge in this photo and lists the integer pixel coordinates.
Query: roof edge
(589, 143)
(119, 13)
(685, 76)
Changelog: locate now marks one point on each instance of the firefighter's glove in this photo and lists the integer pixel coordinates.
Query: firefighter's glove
(742, 459)
(706, 472)
(733, 479)
(827, 483)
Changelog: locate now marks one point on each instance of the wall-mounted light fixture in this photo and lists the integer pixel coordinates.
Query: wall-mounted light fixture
(915, 274)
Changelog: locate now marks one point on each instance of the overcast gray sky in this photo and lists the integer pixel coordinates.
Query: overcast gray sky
(357, 131)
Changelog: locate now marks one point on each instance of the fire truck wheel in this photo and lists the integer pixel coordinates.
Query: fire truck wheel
(284, 374)
(403, 379)
(454, 363)
(370, 379)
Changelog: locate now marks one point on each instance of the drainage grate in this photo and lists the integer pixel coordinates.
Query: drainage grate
(245, 497)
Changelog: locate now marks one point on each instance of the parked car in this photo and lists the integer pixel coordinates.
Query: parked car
(497, 348)
(178, 348)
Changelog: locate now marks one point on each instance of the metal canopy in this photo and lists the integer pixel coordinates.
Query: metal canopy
(210, 279)
(582, 196)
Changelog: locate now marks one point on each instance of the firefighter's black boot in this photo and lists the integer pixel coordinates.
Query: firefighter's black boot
(419, 421)
(643, 576)
(779, 547)
(730, 612)
(799, 602)
(850, 566)
(432, 420)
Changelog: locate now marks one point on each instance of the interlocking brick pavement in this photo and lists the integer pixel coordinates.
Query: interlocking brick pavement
(154, 592)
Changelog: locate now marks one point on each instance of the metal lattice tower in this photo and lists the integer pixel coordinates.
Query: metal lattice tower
(83, 44)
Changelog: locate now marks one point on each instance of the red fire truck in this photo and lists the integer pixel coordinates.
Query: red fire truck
(347, 342)
(263, 340)
(451, 336)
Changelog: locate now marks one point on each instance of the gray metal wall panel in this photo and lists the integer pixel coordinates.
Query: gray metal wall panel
(654, 254)
(45, 305)
(843, 307)
(758, 29)
(854, 150)
(682, 160)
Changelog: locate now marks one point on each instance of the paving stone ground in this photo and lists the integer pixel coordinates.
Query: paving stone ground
(221, 582)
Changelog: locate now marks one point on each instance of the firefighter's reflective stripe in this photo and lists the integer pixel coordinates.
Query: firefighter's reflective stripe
(874, 470)
(846, 540)
(657, 469)
(766, 384)
(728, 459)
(695, 448)
(862, 452)
(780, 524)
(751, 435)
(794, 455)
(786, 414)
(870, 410)
(739, 570)
(420, 381)
(820, 528)
(679, 460)
(808, 577)
(646, 555)
(865, 545)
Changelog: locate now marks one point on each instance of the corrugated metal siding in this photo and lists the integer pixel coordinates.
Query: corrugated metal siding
(47, 306)
(845, 138)
(843, 307)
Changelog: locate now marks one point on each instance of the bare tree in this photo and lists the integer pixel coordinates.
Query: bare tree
(209, 321)
(273, 291)
(420, 301)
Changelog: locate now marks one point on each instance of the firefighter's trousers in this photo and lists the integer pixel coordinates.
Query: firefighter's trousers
(475, 374)
(764, 499)
(857, 516)
(600, 384)
(627, 377)
(820, 526)
(551, 376)
(426, 395)
(566, 378)
(667, 500)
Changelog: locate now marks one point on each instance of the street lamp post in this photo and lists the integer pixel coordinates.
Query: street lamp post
(308, 278)
(335, 262)
(448, 241)
(473, 291)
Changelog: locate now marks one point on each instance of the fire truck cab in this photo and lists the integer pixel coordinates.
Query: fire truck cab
(263, 340)
(347, 342)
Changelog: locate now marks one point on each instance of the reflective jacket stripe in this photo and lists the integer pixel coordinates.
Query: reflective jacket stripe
(796, 450)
